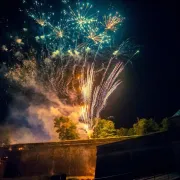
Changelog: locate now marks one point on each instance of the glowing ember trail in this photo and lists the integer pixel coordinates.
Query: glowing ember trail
(76, 69)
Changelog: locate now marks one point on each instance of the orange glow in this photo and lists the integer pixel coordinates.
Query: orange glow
(19, 41)
(79, 76)
(40, 22)
(20, 148)
(112, 22)
(88, 131)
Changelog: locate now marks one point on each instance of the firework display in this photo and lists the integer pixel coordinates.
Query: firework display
(75, 59)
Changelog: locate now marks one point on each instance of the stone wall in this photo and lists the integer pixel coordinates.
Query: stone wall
(74, 158)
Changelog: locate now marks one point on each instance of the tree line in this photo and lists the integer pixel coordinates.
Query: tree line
(67, 129)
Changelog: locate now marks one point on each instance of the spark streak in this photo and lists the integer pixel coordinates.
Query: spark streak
(93, 103)
(71, 65)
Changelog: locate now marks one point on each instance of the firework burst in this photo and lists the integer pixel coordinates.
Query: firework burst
(111, 22)
(70, 64)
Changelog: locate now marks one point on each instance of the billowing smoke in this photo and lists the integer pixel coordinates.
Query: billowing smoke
(32, 112)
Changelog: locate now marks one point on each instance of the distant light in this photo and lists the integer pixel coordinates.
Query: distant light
(20, 148)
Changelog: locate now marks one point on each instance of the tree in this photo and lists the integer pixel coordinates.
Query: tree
(65, 128)
(122, 132)
(104, 129)
(131, 132)
(164, 124)
(145, 126)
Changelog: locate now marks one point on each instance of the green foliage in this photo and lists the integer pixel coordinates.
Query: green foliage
(131, 132)
(104, 129)
(145, 126)
(164, 124)
(122, 132)
(65, 128)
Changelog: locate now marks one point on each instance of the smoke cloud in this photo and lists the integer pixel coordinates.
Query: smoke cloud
(31, 115)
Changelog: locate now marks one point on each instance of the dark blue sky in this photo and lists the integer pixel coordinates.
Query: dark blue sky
(151, 84)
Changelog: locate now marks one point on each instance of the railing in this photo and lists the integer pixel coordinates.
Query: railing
(171, 176)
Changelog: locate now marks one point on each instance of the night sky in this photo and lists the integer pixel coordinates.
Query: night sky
(151, 85)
